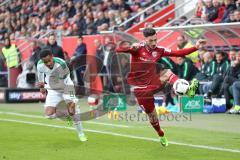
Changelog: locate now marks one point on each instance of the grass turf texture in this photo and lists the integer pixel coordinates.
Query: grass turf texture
(29, 141)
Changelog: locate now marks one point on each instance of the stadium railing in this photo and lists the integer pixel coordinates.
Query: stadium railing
(141, 13)
(224, 34)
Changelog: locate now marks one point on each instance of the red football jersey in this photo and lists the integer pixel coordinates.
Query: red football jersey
(143, 63)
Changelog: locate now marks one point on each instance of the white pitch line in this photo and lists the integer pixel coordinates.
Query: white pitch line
(125, 135)
(88, 122)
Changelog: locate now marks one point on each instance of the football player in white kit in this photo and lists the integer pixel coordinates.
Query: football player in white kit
(54, 80)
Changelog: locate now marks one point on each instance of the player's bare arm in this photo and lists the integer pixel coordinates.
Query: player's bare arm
(182, 52)
(41, 86)
(200, 43)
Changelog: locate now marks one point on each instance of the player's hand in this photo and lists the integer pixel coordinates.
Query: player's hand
(135, 46)
(200, 43)
(43, 90)
(40, 84)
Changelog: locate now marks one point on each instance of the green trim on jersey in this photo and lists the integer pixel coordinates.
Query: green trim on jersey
(185, 69)
(166, 61)
(40, 62)
(60, 61)
(65, 76)
(214, 68)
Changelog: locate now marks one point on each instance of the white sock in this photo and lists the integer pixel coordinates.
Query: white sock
(79, 128)
(78, 124)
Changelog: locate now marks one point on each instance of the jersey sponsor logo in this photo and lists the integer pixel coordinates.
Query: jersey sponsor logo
(143, 59)
(154, 54)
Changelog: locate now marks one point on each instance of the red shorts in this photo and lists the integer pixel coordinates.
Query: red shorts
(145, 97)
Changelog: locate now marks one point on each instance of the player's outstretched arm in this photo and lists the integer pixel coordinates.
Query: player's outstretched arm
(200, 43)
(125, 48)
(182, 52)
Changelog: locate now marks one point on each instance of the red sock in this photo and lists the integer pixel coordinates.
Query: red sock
(173, 78)
(156, 126)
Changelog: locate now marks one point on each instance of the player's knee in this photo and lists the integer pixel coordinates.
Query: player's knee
(49, 111)
(71, 108)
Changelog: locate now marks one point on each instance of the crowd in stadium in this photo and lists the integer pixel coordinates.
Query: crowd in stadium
(218, 11)
(26, 18)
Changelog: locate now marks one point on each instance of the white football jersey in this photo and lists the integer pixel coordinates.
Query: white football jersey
(58, 78)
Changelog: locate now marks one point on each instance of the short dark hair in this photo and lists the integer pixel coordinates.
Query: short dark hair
(80, 37)
(224, 54)
(52, 34)
(45, 53)
(147, 32)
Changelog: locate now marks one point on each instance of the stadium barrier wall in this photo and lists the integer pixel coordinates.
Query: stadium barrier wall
(8, 95)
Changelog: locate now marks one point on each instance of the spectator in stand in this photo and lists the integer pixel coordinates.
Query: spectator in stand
(71, 9)
(236, 95)
(236, 14)
(25, 18)
(3, 30)
(125, 16)
(12, 58)
(220, 67)
(238, 4)
(232, 56)
(206, 68)
(231, 18)
(182, 42)
(236, 88)
(53, 47)
(99, 54)
(80, 58)
(230, 6)
(232, 74)
(200, 8)
(211, 11)
(148, 25)
(221, 9)
(11, 54)
(200, 61)
(35, 57)
(186, 69)
(3, 68)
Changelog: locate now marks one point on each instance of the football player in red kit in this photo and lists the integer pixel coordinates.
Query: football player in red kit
(144, 78)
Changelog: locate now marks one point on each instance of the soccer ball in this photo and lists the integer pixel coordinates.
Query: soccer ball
(180, 87)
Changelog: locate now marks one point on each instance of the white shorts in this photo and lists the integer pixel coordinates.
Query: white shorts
(54, 98)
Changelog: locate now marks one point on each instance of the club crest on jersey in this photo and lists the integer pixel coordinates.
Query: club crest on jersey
(154, 54)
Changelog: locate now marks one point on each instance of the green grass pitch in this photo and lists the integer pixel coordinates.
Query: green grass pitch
(26, 135)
